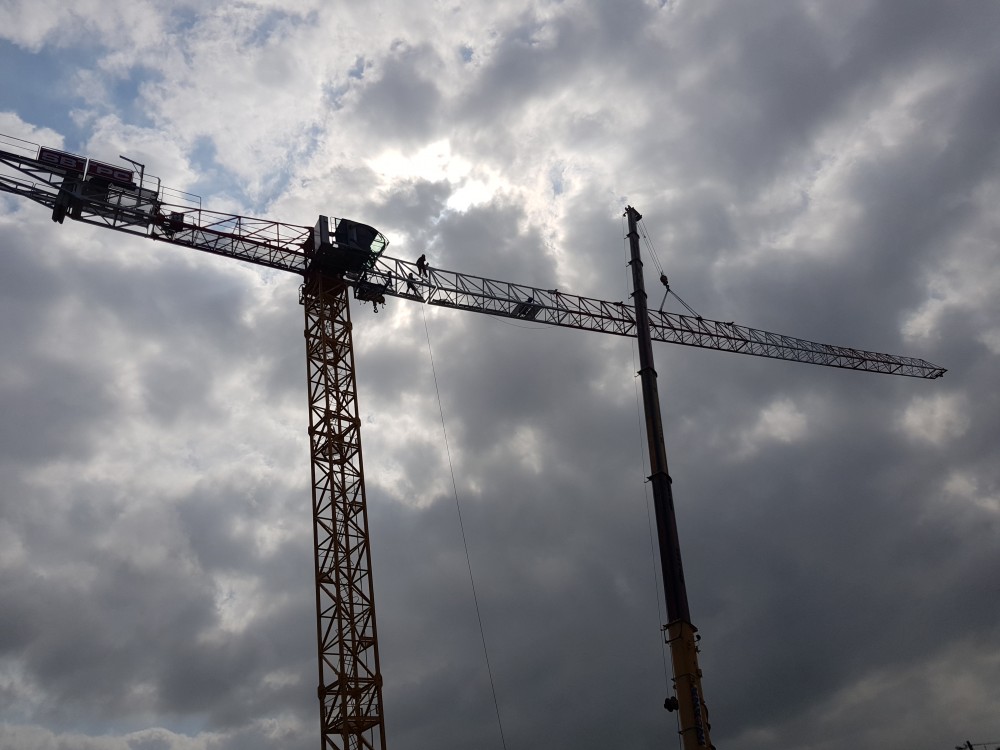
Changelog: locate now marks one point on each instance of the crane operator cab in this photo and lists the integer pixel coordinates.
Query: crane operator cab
(350, 250)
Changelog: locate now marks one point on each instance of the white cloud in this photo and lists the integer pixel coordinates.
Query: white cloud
(781, 421)
(936, 419)
(25, 137)
(964, 485)
(435, 162)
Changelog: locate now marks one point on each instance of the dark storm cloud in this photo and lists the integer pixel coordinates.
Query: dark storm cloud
(897, 190)
(131, 630)
(526, 535)
(403, 104)
(534, 56)
(766, 101)
(836, 526)
(64, 416)
(412, 207)
(489, 240)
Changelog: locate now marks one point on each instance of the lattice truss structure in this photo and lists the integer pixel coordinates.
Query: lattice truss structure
(334, 257)
(550, 306)
(285, 247)
(350, 682)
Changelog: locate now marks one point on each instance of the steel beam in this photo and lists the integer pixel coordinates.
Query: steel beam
(350, 680)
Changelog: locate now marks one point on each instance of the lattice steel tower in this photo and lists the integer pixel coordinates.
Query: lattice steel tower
(350, 683)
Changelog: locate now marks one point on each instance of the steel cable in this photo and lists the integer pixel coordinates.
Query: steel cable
(465, 543)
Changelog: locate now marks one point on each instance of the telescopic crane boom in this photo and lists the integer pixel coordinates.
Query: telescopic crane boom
(333, 257)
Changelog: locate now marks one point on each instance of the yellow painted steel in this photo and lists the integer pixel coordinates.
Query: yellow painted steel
(694, 726)
(350, 680)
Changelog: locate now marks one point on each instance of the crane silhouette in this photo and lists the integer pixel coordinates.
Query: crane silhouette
(335, 257)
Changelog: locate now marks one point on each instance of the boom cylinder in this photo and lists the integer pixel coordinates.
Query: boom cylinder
(689, 699)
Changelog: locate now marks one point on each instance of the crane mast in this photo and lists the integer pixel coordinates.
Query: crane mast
(350, 682)
(689, 700)
(334, 257)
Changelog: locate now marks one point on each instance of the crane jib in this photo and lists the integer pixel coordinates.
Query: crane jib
(443, 288)
(356, 251)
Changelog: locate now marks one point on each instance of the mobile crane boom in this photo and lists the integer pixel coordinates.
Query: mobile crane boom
(333, 257)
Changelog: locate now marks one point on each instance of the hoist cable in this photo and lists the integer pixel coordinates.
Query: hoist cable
(461, 525)
(686, 305)
(644, 235)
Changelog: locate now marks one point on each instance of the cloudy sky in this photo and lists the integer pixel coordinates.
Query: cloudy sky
(823, 170)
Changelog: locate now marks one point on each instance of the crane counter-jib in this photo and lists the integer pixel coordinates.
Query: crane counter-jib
(95, 193)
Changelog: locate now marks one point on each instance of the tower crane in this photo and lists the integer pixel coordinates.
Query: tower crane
(337, 257)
